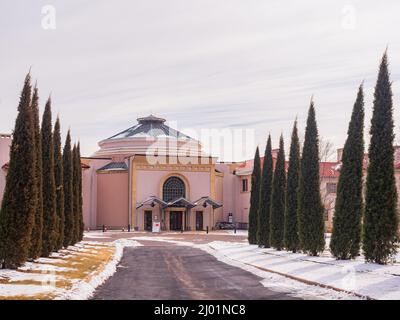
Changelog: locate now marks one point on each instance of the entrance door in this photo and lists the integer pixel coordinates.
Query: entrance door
(148, 220)
(199, 220)
(175, 220)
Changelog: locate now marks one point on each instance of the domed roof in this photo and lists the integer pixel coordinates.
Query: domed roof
(150, 126)
(149, 136)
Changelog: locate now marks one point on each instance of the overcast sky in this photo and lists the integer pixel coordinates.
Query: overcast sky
(203, 63)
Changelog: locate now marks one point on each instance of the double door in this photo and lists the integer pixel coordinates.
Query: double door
(175, 220)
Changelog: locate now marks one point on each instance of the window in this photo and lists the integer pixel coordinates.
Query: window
(148, 220)
(331, 187)
(326, 215)
(245, 185)
(173, 188)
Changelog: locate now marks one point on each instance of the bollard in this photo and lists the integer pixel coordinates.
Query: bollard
(234, 230)
(207, 229)
(104, 228)
(129, 228)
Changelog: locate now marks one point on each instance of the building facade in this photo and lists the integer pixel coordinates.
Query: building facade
(151, 174)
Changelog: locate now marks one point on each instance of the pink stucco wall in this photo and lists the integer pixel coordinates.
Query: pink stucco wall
(89, 187)
(235, 201)
(149, 184)
(86, 190)
(228, 190)
(242, 200)
(219, 197)
(112, 200)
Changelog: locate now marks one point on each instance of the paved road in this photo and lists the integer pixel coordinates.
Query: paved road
(179, 272)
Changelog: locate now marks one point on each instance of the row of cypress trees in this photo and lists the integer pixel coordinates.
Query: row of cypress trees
(288, 213)
(41, 211)
(372, 223)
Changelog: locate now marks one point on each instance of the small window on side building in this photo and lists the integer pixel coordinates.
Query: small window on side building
(245, 186)
(331, 187)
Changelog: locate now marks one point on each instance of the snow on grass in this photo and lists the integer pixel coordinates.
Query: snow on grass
(17, 276)
(280, 282)
(16, 290)
(31, 266)
(72, 273)
(354, 276)
(238, 232)
(83, 290)
(96, 235)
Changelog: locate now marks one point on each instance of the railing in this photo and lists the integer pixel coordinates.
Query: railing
(241, 225)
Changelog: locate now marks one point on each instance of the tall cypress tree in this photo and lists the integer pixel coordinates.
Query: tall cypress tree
(291, 233)
(49, 185)
(265, 197)
(68, 192)
(380, 222)
(310, 209)
(254, 198)
(75, 197)
(59, 180)
(37, 227)
(346, 234)
(80, 198)
(18, 207)
(278, 199)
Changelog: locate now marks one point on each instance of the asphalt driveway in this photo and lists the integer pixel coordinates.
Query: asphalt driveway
(178, 272)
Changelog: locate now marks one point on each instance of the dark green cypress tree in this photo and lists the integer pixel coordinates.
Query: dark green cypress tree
(59, 179)
(265, 197)
(80, 198)
(254, 198)
(278, 199)
(346, 234)
(310, 209)
(380, 221)
(18, 208)
(49, 233)
(75, 198)
(291, 231)
(37, 227)
(68, 193)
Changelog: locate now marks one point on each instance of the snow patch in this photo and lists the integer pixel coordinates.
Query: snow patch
(83, 290)
(12, 290)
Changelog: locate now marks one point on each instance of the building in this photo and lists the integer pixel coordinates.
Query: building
(151, 173)
(329, 176)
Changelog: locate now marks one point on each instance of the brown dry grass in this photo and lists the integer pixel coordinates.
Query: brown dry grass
(83, 265)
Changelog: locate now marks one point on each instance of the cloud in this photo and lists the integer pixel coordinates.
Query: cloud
(201, 63)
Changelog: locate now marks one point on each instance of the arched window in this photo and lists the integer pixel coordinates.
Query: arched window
(173, 188)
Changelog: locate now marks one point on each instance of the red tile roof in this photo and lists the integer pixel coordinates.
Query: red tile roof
(329, 169)
(326, 169)
(7, 165)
